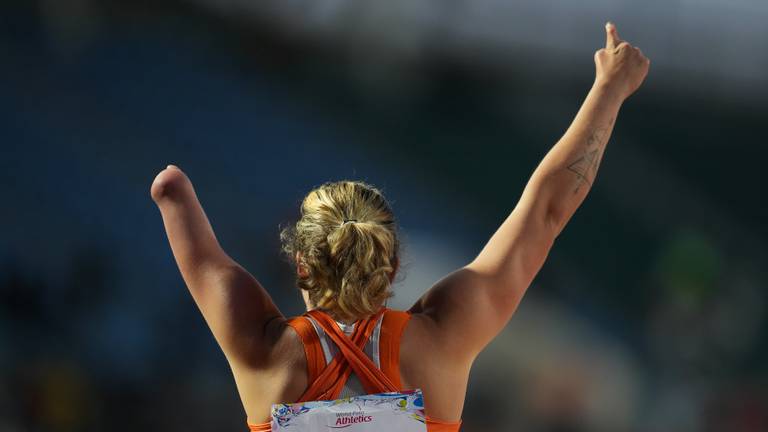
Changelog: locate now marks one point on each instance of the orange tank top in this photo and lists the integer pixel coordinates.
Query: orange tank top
(328, 379)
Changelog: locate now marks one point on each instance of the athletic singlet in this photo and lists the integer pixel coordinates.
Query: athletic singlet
(370, 348)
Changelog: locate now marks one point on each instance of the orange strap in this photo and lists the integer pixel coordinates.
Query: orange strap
(389, 352)
(372, 378)
(261, 427)
(327, 381)
(312, 348)
(440, 426)
(329, 384)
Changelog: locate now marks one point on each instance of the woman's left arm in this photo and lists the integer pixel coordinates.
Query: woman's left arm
(238, 310)
(470, 306)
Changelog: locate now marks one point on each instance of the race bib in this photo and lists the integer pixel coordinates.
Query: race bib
(382, 412)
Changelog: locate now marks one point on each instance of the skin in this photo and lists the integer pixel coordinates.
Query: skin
(457, 317)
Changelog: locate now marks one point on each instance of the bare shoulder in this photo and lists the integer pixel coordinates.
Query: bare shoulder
(286, 345)
(282, 377)
(426, 363)
(420, 343)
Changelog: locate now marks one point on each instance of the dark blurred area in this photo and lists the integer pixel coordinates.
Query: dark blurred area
(649, 315)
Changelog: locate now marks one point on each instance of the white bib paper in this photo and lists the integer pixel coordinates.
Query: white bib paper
(382, 412)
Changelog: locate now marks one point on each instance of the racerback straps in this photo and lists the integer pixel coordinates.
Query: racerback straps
(372, 378)
(327, 381)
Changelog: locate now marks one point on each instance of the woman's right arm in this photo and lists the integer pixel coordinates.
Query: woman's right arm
(238, 310)
(470, 306)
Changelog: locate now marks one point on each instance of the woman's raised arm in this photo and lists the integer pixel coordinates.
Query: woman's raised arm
(471, 305)
(236, 307)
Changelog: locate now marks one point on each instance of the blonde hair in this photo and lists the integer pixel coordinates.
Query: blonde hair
(349, 264)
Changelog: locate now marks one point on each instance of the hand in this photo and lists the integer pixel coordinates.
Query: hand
(620, 66)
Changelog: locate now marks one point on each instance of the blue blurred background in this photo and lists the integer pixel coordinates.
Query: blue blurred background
(649, 315)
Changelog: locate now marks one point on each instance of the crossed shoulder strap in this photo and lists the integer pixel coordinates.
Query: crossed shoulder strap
(392, 327)
(327, 381)
(312, 348)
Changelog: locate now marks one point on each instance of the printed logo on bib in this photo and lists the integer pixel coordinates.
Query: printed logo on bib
(401, 412)
(344, 420)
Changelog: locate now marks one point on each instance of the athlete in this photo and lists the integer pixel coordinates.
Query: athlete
(345, 251)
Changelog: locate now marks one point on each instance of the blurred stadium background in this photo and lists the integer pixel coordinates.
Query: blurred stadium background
(650, 314)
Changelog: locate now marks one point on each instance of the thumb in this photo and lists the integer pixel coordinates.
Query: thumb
(611, 36)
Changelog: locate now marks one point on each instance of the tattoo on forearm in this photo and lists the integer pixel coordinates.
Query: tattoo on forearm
(585, 166)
